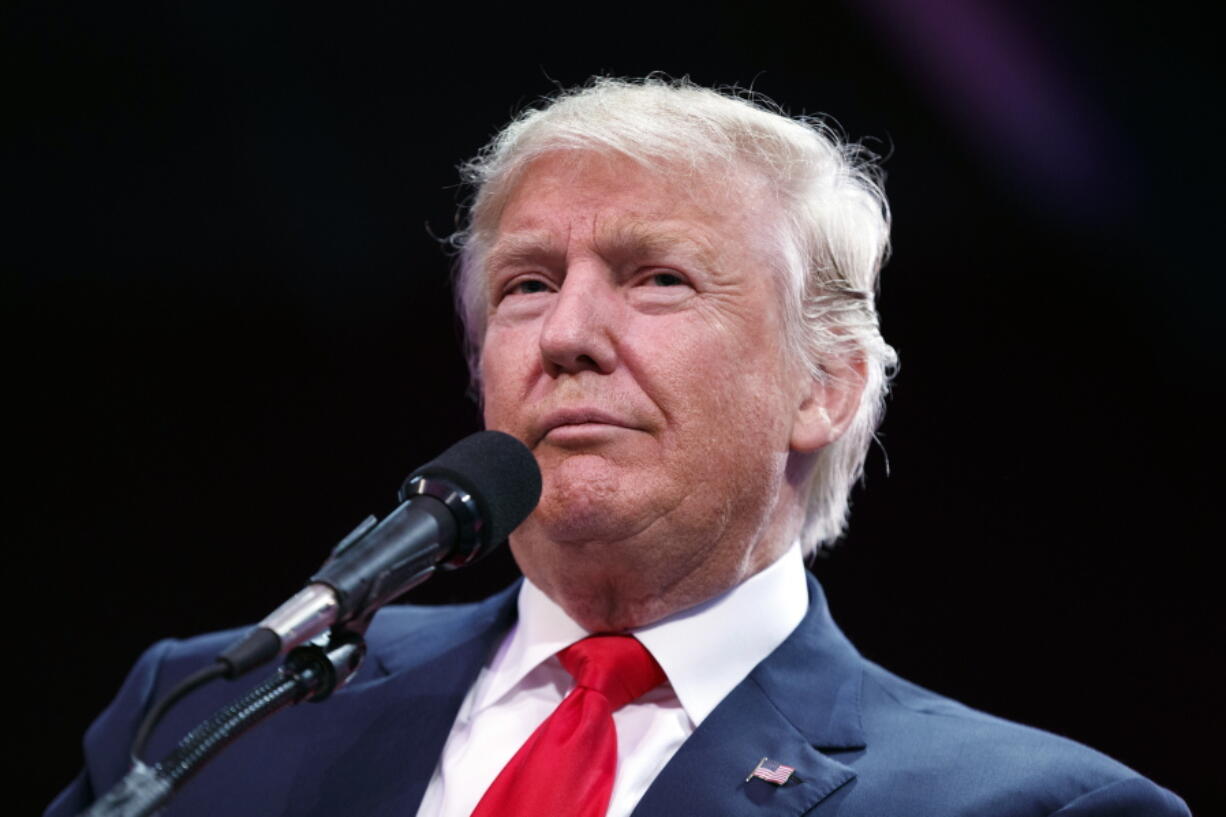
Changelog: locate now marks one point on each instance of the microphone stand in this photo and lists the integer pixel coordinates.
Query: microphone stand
(310, 672)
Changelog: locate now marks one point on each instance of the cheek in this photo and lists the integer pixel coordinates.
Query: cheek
(740, 396)
(505, 362)
(494, 399)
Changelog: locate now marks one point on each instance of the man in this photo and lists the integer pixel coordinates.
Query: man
(668, 296)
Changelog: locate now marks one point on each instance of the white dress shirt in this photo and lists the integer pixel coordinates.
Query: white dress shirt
(705, 652)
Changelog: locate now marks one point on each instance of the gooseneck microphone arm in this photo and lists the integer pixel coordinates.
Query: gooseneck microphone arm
(310, 673)
(372, 565)
(454, 510)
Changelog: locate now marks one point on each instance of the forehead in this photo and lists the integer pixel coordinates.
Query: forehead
(661, 193)
(617, 204)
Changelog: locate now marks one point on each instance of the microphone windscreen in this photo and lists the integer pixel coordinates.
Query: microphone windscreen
(501, 475)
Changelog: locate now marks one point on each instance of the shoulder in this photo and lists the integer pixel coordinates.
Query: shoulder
(166, 662)
(396, 635)
(400, 620)
(919, 739)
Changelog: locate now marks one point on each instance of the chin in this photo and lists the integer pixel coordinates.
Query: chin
(582, 499)
(577, 517)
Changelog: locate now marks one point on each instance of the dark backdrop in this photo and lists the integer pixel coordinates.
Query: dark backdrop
(229, 333)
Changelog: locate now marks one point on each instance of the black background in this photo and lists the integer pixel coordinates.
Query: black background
(229, 331)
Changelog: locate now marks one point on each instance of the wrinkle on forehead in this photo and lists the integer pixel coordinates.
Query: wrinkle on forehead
(614, 240)
(516, 249)
(641, 239)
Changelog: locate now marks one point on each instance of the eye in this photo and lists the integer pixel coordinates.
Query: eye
(654, 277)
(525, 286)
(528, 287)
(666, 279)
(660, 288)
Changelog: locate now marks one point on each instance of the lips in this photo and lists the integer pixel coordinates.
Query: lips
(578, 416)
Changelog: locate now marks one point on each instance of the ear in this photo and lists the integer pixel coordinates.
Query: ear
(827, 408)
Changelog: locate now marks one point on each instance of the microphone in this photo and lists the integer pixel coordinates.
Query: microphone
(454, 510)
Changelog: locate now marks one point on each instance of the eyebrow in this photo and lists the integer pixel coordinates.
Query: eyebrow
(639, 239)
(520, 248)
(614, 241)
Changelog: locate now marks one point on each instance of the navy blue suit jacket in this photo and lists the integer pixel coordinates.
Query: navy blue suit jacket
(864, 742)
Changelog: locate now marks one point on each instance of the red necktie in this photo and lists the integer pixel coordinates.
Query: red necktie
(566, 767)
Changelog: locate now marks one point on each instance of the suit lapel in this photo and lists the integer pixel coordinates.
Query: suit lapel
(707, 775)
(805, 696)
(384, 734)
(377, 746)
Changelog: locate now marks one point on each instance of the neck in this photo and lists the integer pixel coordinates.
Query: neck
(612, 586)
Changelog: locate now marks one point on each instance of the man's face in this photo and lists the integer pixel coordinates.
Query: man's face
(634, 343)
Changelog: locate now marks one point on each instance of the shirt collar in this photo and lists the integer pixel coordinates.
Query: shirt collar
(705, 650)
(708, 649)
(541, 630)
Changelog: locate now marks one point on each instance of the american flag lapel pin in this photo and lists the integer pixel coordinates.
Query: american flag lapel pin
(771, 771)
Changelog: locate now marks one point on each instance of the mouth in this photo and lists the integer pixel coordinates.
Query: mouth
(575, 425)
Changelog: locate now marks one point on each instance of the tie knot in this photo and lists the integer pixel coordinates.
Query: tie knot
(616, 666)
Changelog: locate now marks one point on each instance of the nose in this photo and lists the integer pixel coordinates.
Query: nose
(578, 332)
